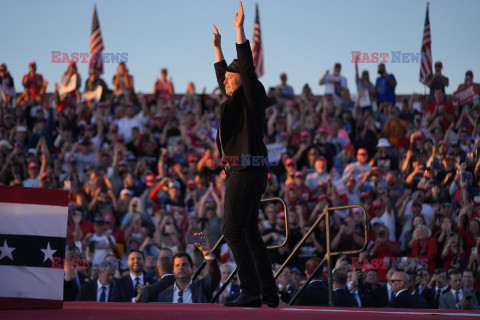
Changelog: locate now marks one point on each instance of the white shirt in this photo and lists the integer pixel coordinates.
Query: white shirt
(187, 293)
(388, 220)
(99, 290)
(132, 276)
(460, 294)
(125, 124)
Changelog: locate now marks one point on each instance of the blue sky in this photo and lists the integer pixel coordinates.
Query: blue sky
(301, 38)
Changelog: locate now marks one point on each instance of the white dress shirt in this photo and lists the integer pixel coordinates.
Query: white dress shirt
(187, 293)
(133, 281)
(99, 291)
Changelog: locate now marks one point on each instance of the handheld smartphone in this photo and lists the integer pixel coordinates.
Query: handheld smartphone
(196, 238)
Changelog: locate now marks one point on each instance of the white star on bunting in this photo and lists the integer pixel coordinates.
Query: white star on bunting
(48, 252)
(6, 251)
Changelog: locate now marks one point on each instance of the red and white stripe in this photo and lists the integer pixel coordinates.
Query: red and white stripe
(96, 44)
(34, 212)
(257, 48)
(426, 51)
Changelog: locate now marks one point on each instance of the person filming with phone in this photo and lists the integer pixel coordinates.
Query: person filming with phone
(185, 290)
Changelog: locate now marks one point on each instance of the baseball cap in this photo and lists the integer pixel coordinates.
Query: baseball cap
(362, 152)
(113, 127)
(174, 184)
(150, 177)
(322, 130)
(383, 143)
(126, 192)
(321, 158)
(5, 143)
(281, 215)
(455, 143)
(99, 219)
(304, 134)
(365, 194)
(109, 218)
(289, 161)
(377, 203)
(299, 174)
(32, 165)
(21, 129)
(439, 64)
(191, 183)
(192, 157)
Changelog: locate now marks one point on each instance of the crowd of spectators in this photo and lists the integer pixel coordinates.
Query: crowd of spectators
(142, 172)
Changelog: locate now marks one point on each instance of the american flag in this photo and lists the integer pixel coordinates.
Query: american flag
(257, 48)
(96, 44)
(426, 52)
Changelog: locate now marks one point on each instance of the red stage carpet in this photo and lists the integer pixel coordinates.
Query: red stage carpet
(103, 311)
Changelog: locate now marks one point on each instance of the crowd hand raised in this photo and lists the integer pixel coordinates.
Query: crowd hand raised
(217, 38)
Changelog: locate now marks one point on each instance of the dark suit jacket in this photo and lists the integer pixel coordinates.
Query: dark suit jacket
(70, 288)
(242, 115)
(150, 293)
(365, 297)
(315, 294)
(122, 289)
(202, 290)
(343, 298)
(378, 294)
(406, 300)
(429, 295)
(88, 292)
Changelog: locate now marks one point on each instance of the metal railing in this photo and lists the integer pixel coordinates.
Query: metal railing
(329, 253)
(234, 272)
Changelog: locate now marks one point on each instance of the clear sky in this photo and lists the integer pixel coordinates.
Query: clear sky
(302, 38)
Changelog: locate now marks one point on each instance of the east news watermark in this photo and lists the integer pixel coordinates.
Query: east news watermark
(385, 57)
(84, 57)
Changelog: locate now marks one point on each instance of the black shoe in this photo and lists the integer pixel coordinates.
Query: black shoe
(271, 300)
(245, 301)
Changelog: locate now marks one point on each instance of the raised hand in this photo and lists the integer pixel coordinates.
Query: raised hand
(217, 38)
(239, 16)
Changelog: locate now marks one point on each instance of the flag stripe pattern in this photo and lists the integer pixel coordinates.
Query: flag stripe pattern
(426, 51)
(96, 44)
(32, 239)
(257, 47)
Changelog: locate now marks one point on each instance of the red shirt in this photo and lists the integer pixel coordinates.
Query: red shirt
(34, 83)
(432, 106)
(382, 252)
(427, 252)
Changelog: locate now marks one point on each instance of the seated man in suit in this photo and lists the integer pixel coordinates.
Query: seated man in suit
(468, 280)
(403, 298)
(100, 290)
(341, 296)
(184, 290)
(370, 285)
(130, 287)
(232, 291)
(316, 293)
(456, 298)
(165, 273)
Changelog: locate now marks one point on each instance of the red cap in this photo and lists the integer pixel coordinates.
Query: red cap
(322, 196)
(365, 194)
(304, 134)
(270, 175)
(157, 116)
(438, 64)
(113, 127)
(322, 130)
(32, 165)
(281, 215)
(377, 203)
(321, 158)
(191, 183)
(122, 162)
(350, 149)
(150, 177)
(362, 151)
(352, 179)
(299, 174)
(289, 161)
(192, 157)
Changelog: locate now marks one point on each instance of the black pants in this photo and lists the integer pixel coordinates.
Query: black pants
(240, 228)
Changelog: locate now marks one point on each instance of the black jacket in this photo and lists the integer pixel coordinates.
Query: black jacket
(315, 294)
(88, 292)
(343, 298)
(122, 289)
(406, 300)
(242, 118)
(150, 293)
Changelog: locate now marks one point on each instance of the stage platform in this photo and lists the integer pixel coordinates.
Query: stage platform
(103, 311)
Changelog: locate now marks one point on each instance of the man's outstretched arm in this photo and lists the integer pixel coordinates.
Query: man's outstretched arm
(238, 23)
(220, 64)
